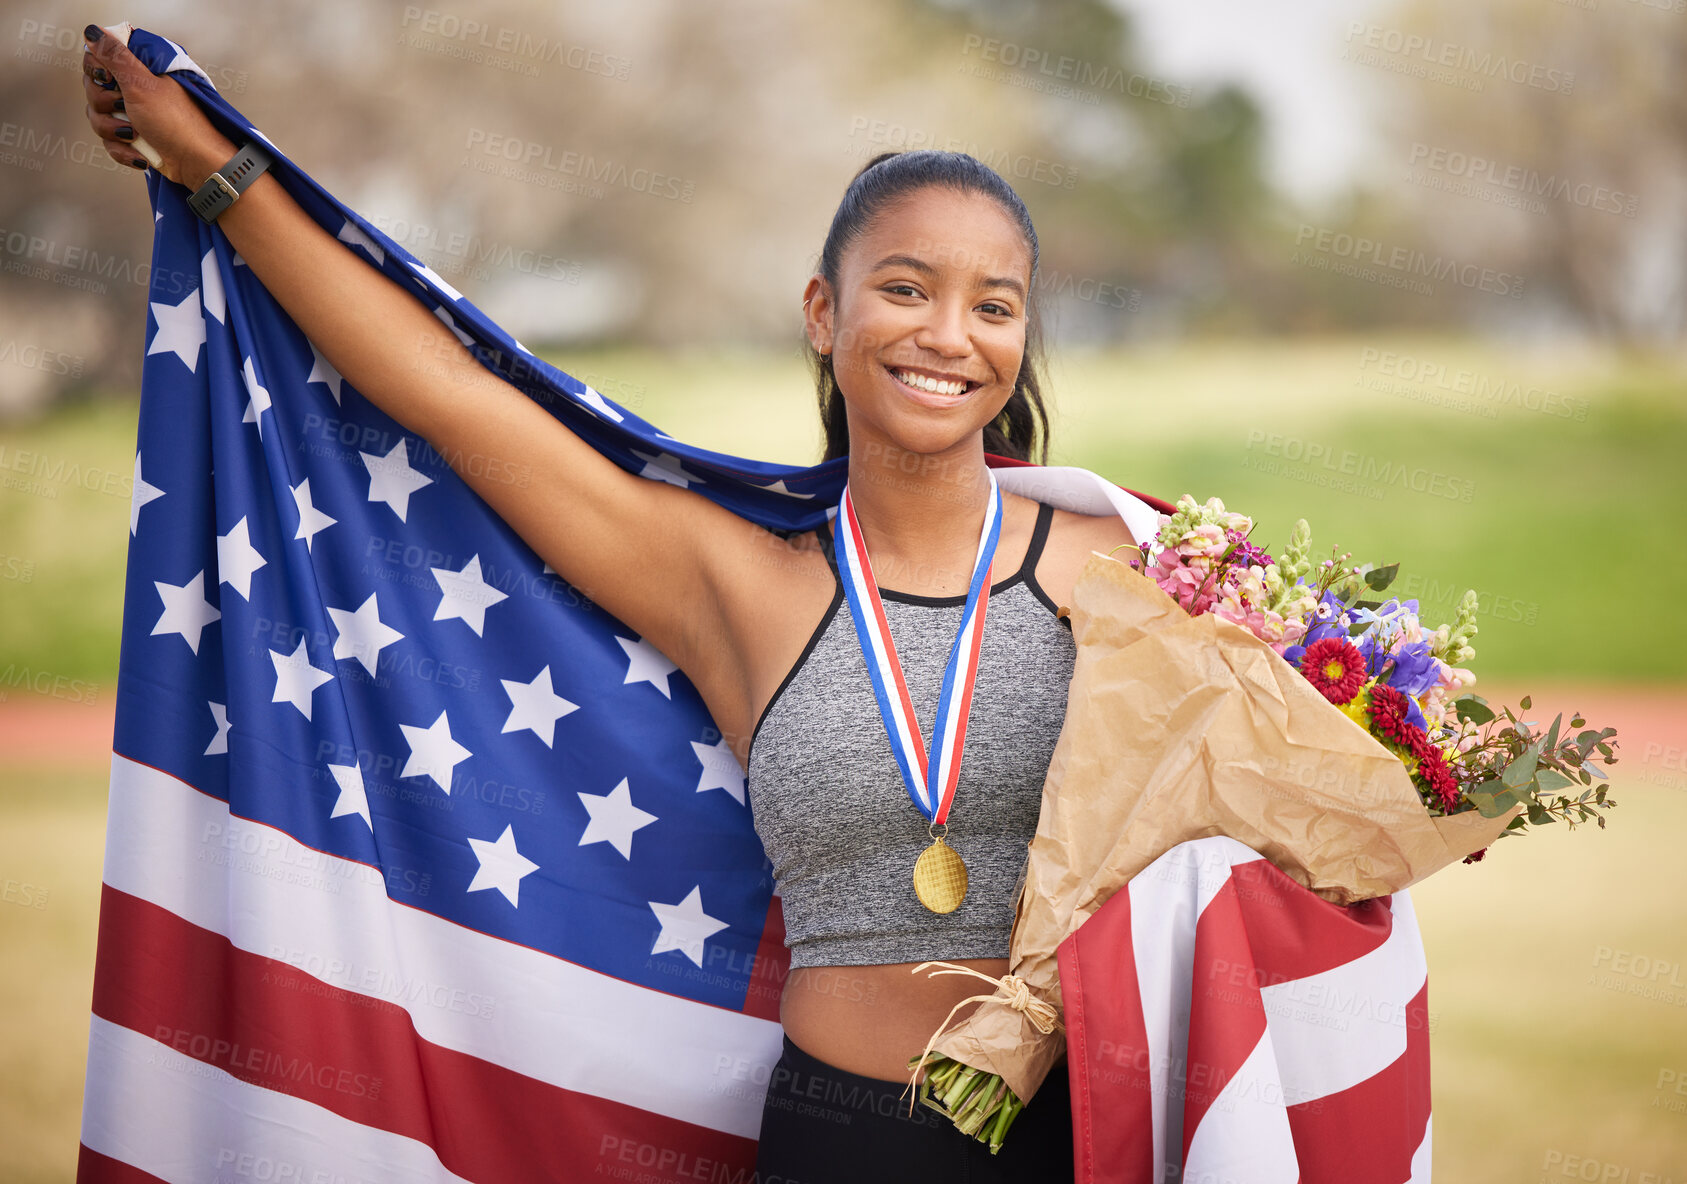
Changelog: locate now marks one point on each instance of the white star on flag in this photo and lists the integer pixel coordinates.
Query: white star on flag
(322, 370)
(392, 480)
(434, 278)
(211, 285)
(533, 705)
(646, 663)
(501, 866)
(182, 62)
(362, 634)
(237, 559)
(685, 926)
(451, 324)
(600, 405)
(186, 610)
(311, 519)
(296, 678)
(433, 752)
(352, 234)
(663, 467)
(779, 487)
(353, 799)
(465, 595)
(612, 818)
(219, 742)
(260, 398)
(140, 494)
(181, 330)
(721, 769)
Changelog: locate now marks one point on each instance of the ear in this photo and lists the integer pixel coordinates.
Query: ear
(817, 314)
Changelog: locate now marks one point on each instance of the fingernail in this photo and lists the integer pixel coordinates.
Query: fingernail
(93, 33)
(118, 106)
(124, 133)
(100, 76)
(140, 164)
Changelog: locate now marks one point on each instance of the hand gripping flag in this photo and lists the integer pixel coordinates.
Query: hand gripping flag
(419, 864)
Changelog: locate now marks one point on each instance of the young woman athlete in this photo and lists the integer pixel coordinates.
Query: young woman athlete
(922, 330)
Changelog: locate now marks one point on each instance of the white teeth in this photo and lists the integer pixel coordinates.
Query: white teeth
(921, 382)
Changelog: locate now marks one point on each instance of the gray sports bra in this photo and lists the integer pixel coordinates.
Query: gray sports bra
(828, 800)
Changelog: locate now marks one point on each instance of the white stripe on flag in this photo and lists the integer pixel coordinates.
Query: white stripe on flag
(1421, 1157)
(265, 892)
(1164, 914)
(1245, 1134)
(1081, 491)
(1347, 1024)
(187, 1122)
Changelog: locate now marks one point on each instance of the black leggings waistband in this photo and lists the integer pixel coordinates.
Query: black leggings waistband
(821, 1123)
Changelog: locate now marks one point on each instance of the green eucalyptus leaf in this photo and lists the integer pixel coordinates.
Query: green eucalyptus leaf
(1382, 577)
(1472, 708)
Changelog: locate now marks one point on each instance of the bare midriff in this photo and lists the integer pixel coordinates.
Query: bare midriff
(873, 1020)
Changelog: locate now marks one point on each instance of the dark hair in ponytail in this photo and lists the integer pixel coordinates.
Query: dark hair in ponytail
(1022, 427)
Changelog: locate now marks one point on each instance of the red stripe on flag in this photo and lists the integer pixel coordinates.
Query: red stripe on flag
(1226, 1014)
(1367, 1133)
(1108, 1059)
(1295, 933)
(94, 1168)
(271, 1025)
(771, 968)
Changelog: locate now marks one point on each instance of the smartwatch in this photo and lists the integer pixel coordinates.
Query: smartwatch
(230, 181)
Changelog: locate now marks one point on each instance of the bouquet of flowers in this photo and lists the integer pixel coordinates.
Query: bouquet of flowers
(1272, 699)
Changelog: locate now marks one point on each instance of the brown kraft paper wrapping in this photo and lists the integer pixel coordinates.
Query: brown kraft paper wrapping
(1177, 728)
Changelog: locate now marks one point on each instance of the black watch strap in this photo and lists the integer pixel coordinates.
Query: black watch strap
(230, 181)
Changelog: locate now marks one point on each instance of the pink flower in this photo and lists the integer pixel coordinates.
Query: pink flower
(1207, 541)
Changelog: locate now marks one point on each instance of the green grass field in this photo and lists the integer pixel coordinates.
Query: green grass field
(1552, 1049)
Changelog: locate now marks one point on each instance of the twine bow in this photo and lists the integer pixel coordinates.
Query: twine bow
(1010, 989)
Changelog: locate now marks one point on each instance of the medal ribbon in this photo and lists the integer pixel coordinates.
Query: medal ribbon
(931, 784)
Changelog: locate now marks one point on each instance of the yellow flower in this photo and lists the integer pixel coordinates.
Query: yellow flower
(1354, 709)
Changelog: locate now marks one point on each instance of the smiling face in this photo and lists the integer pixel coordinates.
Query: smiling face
(927, 324)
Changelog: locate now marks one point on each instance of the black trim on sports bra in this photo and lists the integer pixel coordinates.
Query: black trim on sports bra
(1039, 532)
(1034, 552)
(813, 640)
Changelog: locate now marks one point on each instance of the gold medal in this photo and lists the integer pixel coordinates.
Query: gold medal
(940, 877)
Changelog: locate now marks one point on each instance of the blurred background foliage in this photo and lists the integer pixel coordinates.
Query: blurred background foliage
(1158, 214)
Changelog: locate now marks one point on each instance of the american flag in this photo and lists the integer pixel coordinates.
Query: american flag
(419, 864)
(1225, 1024)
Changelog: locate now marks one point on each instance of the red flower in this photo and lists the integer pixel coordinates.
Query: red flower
(1432, 767)
(1388, 712)
(1387, 709)
(1335, 667)
(1475, 857)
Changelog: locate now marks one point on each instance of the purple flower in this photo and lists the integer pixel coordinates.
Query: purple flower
(1246, 554)
(1415, 669)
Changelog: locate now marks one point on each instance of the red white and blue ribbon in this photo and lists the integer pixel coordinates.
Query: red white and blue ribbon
(931, 784)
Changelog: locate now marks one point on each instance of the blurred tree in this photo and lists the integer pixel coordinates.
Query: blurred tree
(650, 171)
(1568, 167)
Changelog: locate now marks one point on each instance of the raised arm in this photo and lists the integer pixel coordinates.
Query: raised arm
(663, 559)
